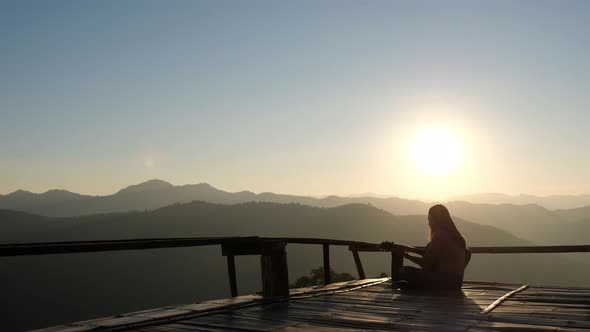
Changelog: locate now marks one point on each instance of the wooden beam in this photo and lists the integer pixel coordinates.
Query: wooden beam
(301, 240)
(397, 263)
(49, 248)
(275, 273)
(379, 248)
(529, 249)
(359, 265)
(231, 272)
(503, 298)
(487, 250)
(327, 268)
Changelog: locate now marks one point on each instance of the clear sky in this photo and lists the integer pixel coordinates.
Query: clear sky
(303, 97)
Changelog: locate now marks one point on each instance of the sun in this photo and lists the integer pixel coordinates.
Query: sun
(437, 151)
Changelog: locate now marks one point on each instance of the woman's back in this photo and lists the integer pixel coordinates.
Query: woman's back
(445, 258)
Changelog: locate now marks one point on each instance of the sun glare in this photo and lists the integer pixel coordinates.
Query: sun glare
(437, 151)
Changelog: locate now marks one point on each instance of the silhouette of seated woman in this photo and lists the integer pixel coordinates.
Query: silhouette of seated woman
(443, 260)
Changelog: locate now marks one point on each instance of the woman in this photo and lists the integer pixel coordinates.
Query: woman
(444, 258)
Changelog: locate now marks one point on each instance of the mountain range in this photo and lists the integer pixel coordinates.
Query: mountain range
(531, 221)
(552, 202)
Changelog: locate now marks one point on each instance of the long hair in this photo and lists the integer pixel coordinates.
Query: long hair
(441, 221)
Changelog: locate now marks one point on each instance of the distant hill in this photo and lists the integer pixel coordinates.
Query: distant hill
(531, 222)
(17, 225)
(362, 222)
(154, 194)
(31, 202)
(552, 202)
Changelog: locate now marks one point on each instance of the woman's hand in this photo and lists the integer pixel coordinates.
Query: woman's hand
(386, 245)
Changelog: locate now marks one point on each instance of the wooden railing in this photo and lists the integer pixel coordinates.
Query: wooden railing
(272, 251)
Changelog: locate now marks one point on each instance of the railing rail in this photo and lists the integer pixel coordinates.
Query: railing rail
(69, 247)
(271, 249)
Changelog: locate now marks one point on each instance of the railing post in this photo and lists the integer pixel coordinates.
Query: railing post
(359, 265)
(231, 271)
(275, 273)
(397, 262)
(327, 269)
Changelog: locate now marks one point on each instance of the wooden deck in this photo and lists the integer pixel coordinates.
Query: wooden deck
(369, 304)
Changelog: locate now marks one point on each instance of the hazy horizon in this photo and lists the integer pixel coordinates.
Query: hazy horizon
(411, 99)
(467, 196)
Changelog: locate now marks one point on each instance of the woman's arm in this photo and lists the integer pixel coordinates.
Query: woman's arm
(415, 250)
(416, 260)
(387, 245)
(433, 250)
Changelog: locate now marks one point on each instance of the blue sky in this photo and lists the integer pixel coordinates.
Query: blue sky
(306, 97)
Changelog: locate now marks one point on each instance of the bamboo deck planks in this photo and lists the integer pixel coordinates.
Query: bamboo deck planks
(368, 305)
